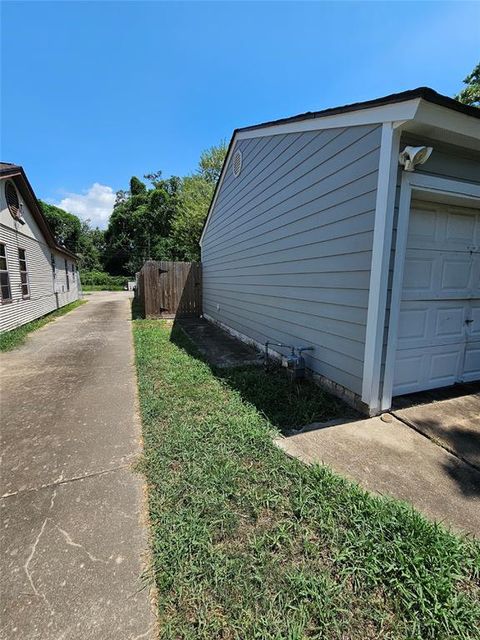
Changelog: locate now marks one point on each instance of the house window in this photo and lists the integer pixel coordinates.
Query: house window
(67, 276)
(6, 291)
(22, 261)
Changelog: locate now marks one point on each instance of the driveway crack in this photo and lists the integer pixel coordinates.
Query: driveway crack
(59, 482)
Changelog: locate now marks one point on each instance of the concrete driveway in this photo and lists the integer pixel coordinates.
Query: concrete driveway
(74, 536)
(450, 417)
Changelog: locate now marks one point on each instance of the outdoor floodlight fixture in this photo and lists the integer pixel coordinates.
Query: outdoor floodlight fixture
(410, 157)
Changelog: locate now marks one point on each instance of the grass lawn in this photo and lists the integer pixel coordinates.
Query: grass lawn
(249, 544)
(11, 339)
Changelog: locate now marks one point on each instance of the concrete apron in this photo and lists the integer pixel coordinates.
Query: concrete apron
(453, 422)
(392, 459)
(74, 536)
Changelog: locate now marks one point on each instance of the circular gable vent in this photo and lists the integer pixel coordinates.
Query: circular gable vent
(12, 200)
(237, 163)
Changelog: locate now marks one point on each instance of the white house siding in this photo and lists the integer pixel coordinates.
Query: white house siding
(286, 255)
(41, 283)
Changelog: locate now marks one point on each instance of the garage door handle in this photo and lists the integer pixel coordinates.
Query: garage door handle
(468, 321)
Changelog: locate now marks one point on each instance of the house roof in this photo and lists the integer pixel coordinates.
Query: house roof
(420, 92)
(425, 93)
(16, 173)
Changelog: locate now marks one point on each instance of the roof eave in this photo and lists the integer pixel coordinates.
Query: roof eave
(17, 173)
(422, 105)
(452, 125)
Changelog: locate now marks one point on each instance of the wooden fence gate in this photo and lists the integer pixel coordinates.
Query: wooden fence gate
(170, 289)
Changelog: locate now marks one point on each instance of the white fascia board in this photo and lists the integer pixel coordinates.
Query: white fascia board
(434, 115)
(386, 113)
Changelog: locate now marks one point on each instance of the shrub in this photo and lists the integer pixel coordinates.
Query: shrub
(103, 280)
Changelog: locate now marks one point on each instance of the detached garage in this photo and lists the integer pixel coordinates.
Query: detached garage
(355, 231)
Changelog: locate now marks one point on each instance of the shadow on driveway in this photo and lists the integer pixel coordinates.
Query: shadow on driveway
(449, 417)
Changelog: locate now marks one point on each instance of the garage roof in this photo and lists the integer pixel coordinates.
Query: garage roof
(420, 92)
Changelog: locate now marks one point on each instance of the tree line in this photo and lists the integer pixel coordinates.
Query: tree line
(161, 218)
(156, 218)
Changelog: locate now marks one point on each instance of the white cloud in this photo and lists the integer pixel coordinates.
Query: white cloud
(94, 204)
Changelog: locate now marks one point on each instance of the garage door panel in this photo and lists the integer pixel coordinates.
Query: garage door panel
(439, 274)
(442, 228)
(460, 229)
(474, 329)
(408, 372)
(418, 276)
(412, 325)
(427, 369)
(431, 323)
(476, 275)
(456, 275)
(438, 340)
(471, 368)
(449, 323)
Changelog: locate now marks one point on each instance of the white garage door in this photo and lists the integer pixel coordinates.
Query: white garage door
(439, 327)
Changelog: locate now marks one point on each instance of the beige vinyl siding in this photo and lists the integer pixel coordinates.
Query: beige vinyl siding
(42, 298)
(287, 252)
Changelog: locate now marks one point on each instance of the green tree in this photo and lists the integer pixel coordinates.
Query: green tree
(65, 226)
(91, 248)
(155, 178)
(137, 187)
(211, 162)
(76, 235)
(470, 94)
(163, 222)
(140, 225)
(194, 201)
(188, 222)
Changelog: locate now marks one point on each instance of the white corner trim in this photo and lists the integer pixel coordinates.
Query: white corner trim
(382, 240)
(411, 184)
(226, 164)
(399, 263)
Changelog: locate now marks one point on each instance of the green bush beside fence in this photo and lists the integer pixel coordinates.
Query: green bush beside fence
(101, 281)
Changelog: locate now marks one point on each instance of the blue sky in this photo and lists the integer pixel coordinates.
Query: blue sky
(94, 92)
